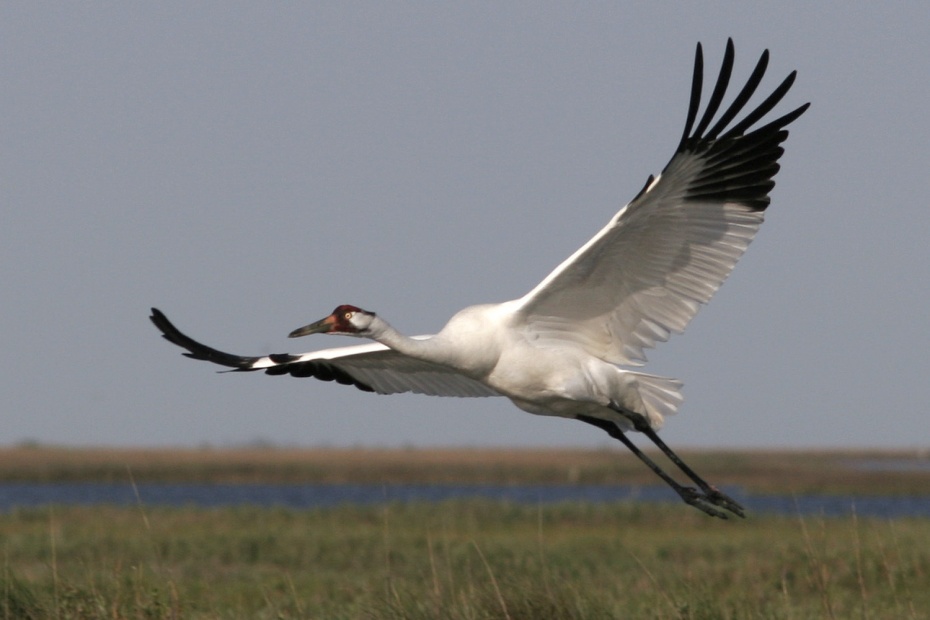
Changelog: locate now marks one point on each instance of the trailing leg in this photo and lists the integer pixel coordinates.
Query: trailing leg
(690, 495)
(711, 493)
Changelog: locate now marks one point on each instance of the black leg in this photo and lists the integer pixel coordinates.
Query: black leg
(711, 493)
(690, 495)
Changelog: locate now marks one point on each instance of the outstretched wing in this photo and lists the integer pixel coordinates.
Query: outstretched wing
(646, 273)
(369, 367)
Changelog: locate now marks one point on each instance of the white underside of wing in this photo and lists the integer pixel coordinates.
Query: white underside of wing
(644, 275)
(388, 372)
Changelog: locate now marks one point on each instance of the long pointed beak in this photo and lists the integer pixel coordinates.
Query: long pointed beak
(320, 327)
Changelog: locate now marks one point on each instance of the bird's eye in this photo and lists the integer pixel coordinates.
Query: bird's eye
(349, 315)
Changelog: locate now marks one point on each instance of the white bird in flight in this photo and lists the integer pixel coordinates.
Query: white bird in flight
(558, 350)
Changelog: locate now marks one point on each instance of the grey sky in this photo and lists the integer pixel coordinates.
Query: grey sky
(247, 167)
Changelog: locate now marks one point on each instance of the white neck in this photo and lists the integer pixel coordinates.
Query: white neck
(470, 342)
(427, 349)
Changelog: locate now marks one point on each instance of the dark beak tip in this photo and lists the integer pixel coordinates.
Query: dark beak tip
(297, 333)
(320, 327)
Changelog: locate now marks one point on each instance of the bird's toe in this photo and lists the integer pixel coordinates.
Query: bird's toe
(695, 498)
(721, 499)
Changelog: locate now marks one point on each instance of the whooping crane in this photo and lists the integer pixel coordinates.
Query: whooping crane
(558, 349)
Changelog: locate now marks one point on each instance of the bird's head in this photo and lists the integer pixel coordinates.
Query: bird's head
(344, 321)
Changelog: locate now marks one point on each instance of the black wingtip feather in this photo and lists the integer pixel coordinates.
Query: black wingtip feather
(755, 78)
(720, 89)
(763, 108)
(696, 81)
(195, 349)
(285, 362)
(738, 162)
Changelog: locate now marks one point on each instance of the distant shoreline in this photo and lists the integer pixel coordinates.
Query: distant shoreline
(758, 471)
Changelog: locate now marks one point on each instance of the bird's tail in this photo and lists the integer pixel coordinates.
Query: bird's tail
(658, 396)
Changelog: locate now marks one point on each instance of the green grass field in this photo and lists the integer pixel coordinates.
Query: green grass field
(464, 559)
(471, 559)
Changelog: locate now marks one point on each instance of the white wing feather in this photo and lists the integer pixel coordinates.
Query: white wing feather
(386, 371)
(645, 274)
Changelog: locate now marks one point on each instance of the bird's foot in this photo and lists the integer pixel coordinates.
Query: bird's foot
(718, 498)
(710, 500)
(695, 498)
